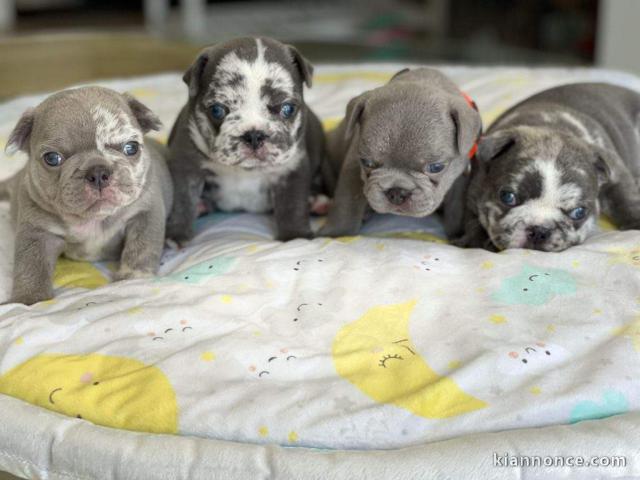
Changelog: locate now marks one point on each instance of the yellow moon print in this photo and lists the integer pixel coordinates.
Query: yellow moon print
(629, 256)
(71, 273)
(375, 354)
(111, 391)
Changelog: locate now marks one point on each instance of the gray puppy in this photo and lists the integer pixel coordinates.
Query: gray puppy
(400, 148)
(92, 189)
(246, 140)
(549, 165)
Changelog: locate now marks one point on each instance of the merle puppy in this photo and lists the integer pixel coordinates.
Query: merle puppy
(551, 164)
(246, 140)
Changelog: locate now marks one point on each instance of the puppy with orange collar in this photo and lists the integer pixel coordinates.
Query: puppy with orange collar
(400, 148)
(549, 165)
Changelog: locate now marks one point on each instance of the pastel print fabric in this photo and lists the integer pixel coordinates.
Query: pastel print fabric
(380, 341)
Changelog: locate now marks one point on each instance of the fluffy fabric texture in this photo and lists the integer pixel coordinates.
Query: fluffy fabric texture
(390, 341)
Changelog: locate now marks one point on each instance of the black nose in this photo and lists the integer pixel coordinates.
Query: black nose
(398, 196)
(537, 234)
(98, 177)
(254, 138)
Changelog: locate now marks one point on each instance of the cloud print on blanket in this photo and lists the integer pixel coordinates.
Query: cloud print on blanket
(376, 355)
(531, 359)
(535, 286)
(611, 403)
(201, 271)
(106, 390)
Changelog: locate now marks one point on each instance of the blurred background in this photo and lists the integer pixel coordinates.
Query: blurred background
(49, 44)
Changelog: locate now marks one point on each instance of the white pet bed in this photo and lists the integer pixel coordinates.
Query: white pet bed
(389, 355)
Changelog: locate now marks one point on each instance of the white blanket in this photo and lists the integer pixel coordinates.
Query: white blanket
(370, 342)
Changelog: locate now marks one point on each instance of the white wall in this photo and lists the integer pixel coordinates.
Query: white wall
(618, 36)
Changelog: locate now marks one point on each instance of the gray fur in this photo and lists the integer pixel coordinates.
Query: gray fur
(419, 117)
(568, 147)
(209, 159)
(56, 210)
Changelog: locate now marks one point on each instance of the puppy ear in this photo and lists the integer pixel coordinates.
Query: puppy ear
(355, 109)
(603, 161)
(193, 76)
(302, 64)
(495, 144)
(397, 74)
(21, 133)
(467, 125)
(146, 118)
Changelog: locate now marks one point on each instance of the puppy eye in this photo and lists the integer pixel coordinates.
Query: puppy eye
(130, 148)
(53, 159)
(435, 167)
(218, 111)
(577, 213)
(508, 198)
(366, 163)
(287, 110)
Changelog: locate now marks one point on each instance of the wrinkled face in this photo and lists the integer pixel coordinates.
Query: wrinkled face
(249, 113)
(540, 192)
(87, 156)
(409, 153)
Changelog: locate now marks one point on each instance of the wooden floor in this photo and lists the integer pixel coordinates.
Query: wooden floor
(6, 476)
(36, 63)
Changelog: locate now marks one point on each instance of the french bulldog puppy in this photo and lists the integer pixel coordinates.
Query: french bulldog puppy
(549, 165)
(399, 148)
(93, 188)
(246, 140)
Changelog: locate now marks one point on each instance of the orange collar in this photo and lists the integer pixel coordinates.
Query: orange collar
(470, 101)
(474, 148)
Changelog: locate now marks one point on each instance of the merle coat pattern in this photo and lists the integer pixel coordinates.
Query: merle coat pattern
(550, 165)
(245, 140)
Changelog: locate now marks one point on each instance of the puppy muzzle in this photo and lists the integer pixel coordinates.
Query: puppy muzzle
(98, 177)
(254, 138)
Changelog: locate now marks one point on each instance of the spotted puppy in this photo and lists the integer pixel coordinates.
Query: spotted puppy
(246, 140)
(400, 148)
(93, 188)
(548, 166)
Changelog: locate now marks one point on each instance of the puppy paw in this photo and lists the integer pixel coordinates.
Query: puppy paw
(632, 225)
(172, 244)
(286, 235)
(28, 299)
(472, 242)
(337, 231)
(462, 242)
(180, 234)
(127, 273)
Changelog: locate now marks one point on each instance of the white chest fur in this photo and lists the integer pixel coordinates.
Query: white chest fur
(246, 190)
(92, 241)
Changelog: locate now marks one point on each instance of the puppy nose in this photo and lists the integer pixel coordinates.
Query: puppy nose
(398, 196)
(537, 234)
(254, 138)
(98, 177)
